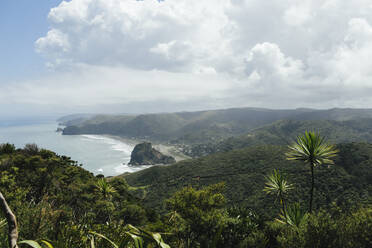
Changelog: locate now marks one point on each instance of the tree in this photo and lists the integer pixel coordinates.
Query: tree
(276, 184)
(7, 148)
(312, 149)
(105, 188)
(12, 222)
(198, 215)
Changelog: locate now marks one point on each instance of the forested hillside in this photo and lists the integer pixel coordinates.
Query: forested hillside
(284, 132)
(214, 201)
(55, 199)
(202, 126)
(347, 183)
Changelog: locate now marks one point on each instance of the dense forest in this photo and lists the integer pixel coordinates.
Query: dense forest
(346, 183)
(219, 200)
(284, 132)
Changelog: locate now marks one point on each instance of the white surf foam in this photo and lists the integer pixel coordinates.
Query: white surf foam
(116, 145)
(120, 146)
(126, 168)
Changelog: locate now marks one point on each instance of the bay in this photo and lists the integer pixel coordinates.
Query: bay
(98, 154)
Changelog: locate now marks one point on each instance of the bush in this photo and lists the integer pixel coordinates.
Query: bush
(7, 148)
(347, 230)
(31, 149)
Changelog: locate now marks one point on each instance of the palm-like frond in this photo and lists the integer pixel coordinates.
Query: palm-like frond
(277, 184)
(294, 216)
(138, 238)
(105, 188)
(34, 244)
(3, 223)
(312, 148)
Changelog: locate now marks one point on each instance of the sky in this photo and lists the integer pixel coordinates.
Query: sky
(127, 56)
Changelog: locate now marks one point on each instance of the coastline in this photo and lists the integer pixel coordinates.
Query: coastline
(166, 149)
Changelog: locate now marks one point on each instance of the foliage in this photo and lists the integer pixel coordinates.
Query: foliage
(347, 183)
(58, 203)
(133, 238)
(294, 215)
(283, 132)
(311, 149)
(7, 148)
(105, 188)
(200, 213)
(326, 230)
(277, 184)
(217, 125)
(56, 200)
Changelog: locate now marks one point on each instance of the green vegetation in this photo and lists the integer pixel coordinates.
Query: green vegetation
(144, 154)
(207, 128)
(217, 201)
(284, 132)
(346, 183)
(312, 150)
(56, 200)
(276, 184)
(182, 127)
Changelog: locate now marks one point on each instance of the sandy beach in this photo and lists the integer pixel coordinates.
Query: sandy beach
(166, 149)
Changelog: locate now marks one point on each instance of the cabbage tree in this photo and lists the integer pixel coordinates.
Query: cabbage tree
(313, 150)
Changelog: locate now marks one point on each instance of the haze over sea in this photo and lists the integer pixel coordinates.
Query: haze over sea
(98, 154)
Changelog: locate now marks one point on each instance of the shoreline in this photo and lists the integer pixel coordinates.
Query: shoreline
(166, 149)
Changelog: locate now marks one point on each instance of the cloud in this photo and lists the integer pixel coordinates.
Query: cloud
(267, 60)
(277, 54)
(89, 85)
(146, 35)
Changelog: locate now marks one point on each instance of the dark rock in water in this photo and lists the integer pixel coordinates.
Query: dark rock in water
(144, 154)
(59, 129)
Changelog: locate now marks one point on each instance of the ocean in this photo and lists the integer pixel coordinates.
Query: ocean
(97, 154)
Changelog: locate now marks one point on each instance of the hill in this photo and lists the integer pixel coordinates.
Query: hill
(56, 200)
(145, 154)
(346, 183)
(284, 132)
(73, 119)
(202, 126)
(37, 181)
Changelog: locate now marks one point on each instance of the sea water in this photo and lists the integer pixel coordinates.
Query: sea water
(98, 154)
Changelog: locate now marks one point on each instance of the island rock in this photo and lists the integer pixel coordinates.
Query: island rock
(145, 154)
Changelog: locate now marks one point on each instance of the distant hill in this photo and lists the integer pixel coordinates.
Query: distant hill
(73, 119)
(284, 132)
(203, 126)
(347, 182)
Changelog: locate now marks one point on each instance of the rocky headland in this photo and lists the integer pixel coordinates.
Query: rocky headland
(145, 154)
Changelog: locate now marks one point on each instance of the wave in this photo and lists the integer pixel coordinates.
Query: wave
(120, 146)
(116, 145)
(126, 168)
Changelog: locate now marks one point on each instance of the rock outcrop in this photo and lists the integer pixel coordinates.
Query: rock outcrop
(145, 154)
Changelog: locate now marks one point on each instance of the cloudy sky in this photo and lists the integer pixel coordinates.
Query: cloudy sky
(153, 56)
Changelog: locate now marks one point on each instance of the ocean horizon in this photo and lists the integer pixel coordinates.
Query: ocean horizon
(98, 154)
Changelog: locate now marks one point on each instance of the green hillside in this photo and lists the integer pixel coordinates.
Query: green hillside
(56, 200)
(203, 126)
(346, 183)
(284, 132)
(182, 127)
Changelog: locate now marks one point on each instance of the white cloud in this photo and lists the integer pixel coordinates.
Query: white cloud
(288, 53)
(267, 60)
(54, 42)
(138, 34)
